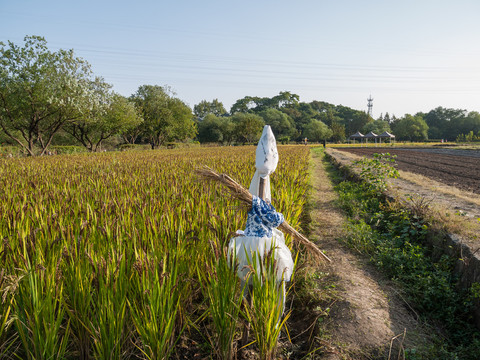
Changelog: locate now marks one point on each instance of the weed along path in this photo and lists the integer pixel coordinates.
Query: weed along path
(367, 316)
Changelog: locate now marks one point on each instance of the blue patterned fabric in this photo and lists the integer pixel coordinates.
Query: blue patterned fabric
(262, 218)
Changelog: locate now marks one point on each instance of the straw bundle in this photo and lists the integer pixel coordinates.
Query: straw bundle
(239, 192)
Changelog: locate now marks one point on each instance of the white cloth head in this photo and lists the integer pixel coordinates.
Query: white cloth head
(266, 162)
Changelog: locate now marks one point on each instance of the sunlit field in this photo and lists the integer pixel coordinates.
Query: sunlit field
(119, 255)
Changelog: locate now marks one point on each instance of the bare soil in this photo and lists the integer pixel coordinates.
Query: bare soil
(452, 167)
(454, 198)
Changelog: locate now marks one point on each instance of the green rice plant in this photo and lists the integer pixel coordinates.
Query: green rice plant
(40, 315)
(78, 275)
(6, 304)
(290, 184)
(158, 299)
(221, 288)
(265, 310)
(109, 323)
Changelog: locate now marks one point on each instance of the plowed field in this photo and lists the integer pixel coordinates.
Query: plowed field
(452, 167)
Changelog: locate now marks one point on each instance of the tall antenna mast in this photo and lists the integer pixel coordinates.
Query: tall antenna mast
(370, 105)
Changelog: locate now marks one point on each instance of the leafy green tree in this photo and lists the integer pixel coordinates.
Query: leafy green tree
(301, 114)
(4, 139)
(243, 105)
(470, 137)
(439, 121)
(352, 120)
(360, 119)
(387, 118)
(284, 99)
(248, 127)
(329, 117)
(342, 118)
(131, 134)
(165, 118)
(210, 129)
(338, 131)
(151, 101)
(346, 114)
(182, 118)
(321, 106)
(282, 125)
(377, 126)
(293, 112)
(204, 108)
(219, 129)
(257, 104)
(317, 131)
(412, 128)
(116, 115)
(41, 91)
(464, 125)
(228, 129)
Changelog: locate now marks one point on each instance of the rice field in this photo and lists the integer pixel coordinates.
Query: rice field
(121, 255)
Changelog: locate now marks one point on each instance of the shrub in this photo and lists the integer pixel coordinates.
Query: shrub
(67, 149)
(126, 147)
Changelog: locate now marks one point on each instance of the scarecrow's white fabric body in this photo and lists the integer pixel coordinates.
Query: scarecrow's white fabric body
(260, 235)
(259, 238)
(266, 160)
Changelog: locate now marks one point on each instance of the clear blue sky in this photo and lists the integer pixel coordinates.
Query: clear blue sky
(410, 55)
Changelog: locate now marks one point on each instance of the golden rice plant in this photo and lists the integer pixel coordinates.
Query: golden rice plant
(94, 246)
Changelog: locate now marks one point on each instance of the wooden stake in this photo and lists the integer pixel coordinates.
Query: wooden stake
(261, 188)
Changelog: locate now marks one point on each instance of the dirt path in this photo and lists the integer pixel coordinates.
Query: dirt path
(369, 315)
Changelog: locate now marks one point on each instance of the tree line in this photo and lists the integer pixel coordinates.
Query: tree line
(53, 98)
(292, 120)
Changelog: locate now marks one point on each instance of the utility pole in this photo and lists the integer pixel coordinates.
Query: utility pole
(370, 105)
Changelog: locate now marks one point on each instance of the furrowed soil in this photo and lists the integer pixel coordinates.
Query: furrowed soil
(368, 318)
(458, 168)
(448, 180)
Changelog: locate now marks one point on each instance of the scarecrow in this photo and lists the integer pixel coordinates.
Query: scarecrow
(261, 238)
(261, 235)
(246, 196)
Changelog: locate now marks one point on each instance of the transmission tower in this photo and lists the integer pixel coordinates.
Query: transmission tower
(370, 105)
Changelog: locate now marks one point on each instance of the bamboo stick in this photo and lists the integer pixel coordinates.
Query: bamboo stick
(244, 195)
